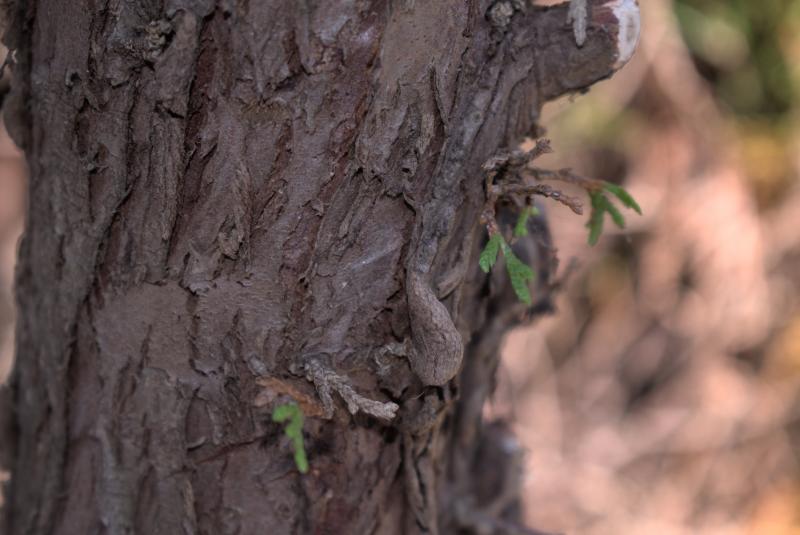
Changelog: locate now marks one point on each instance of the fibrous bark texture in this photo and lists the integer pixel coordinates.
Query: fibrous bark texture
(229, 201)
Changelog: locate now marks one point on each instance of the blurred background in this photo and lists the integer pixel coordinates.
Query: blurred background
(662, 397)
(12, 212)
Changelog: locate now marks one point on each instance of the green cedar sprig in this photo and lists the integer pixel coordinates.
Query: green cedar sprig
(521, 228)
(293, 430)
(519, 273)
(602, 205)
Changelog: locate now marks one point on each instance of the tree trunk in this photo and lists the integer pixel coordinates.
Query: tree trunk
(236, 204)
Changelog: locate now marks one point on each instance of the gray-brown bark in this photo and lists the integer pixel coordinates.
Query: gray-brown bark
(223, 190)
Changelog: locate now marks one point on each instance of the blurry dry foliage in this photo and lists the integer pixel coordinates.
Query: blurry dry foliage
(12, 205)
(12, 208)
(662, 397)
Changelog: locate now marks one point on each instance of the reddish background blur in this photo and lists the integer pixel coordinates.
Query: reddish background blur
(12, 207)
(662, 397)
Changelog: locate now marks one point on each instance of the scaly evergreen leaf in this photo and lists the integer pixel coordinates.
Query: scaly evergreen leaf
(488, 256)
(293, 430)
(614, 212)
(519, 273)
(595, 223)
(623, 196)
(521, 228)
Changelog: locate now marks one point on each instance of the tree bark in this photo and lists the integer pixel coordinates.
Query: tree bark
(233, 204)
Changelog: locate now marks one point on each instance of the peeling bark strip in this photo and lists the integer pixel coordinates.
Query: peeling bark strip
(226, 193)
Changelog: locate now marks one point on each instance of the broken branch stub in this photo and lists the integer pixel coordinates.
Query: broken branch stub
(612, 37)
